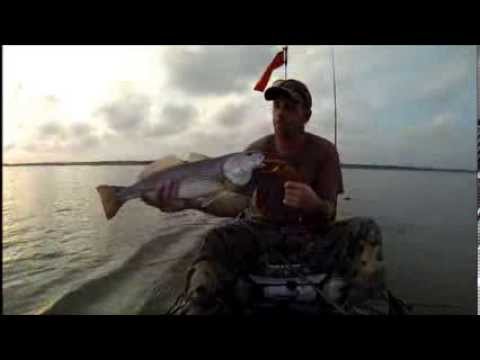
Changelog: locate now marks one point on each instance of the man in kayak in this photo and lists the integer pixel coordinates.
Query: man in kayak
(295, 216)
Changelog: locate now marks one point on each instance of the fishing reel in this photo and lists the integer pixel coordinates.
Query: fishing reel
(270, 181)
(279, 167)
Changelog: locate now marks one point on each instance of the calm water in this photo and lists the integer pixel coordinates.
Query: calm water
(60, 255)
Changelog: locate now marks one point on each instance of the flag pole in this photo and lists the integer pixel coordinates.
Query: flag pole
(334, 93)
(285, 56)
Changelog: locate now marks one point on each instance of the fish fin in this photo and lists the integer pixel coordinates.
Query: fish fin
(160, 165)
(192, 157)
(168, 162)
(110, 200)
(227, 204)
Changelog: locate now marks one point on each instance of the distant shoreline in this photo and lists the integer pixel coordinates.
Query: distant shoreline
(412, 168)
(146, 162)
(90, 163)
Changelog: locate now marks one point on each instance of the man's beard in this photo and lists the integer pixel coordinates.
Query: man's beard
(291, 132)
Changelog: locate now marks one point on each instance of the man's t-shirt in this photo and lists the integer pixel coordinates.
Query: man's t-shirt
(319, 165)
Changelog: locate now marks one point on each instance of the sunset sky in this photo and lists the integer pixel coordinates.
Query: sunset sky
(397, 105)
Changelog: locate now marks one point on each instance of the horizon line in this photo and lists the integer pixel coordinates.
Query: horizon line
(119, 162)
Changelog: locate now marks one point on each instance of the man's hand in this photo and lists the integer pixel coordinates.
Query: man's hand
(302, 196)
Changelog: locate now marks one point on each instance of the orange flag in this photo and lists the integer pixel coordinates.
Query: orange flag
(277, 61)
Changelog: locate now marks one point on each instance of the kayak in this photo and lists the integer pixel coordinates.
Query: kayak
(289, 289)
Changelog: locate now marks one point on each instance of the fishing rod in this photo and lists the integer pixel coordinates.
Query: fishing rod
(334, 92)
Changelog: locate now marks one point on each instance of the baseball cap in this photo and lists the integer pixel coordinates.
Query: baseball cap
(291, 88)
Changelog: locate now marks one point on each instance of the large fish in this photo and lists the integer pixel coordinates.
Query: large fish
(200, 181)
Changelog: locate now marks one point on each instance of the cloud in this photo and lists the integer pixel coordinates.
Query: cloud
(127, 114)
(439, 130)
(39, 146)
(403, 104)
(216, 70)
(174, 119)
(396, 105)
(51, 99)
(84, 143)
(208, 143)
(83, 136)
(354, 114)
(81, 129)
(9, 147)
(90, 141)
(216, 141)
(232, 115)
(31, 146)
(384, 76)
(443, 124)
(54, 137)
(437, 142)
(52, 130)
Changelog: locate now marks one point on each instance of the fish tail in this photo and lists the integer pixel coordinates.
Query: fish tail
(111, 201)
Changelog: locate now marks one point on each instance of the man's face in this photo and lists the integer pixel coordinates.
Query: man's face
(289, 117)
